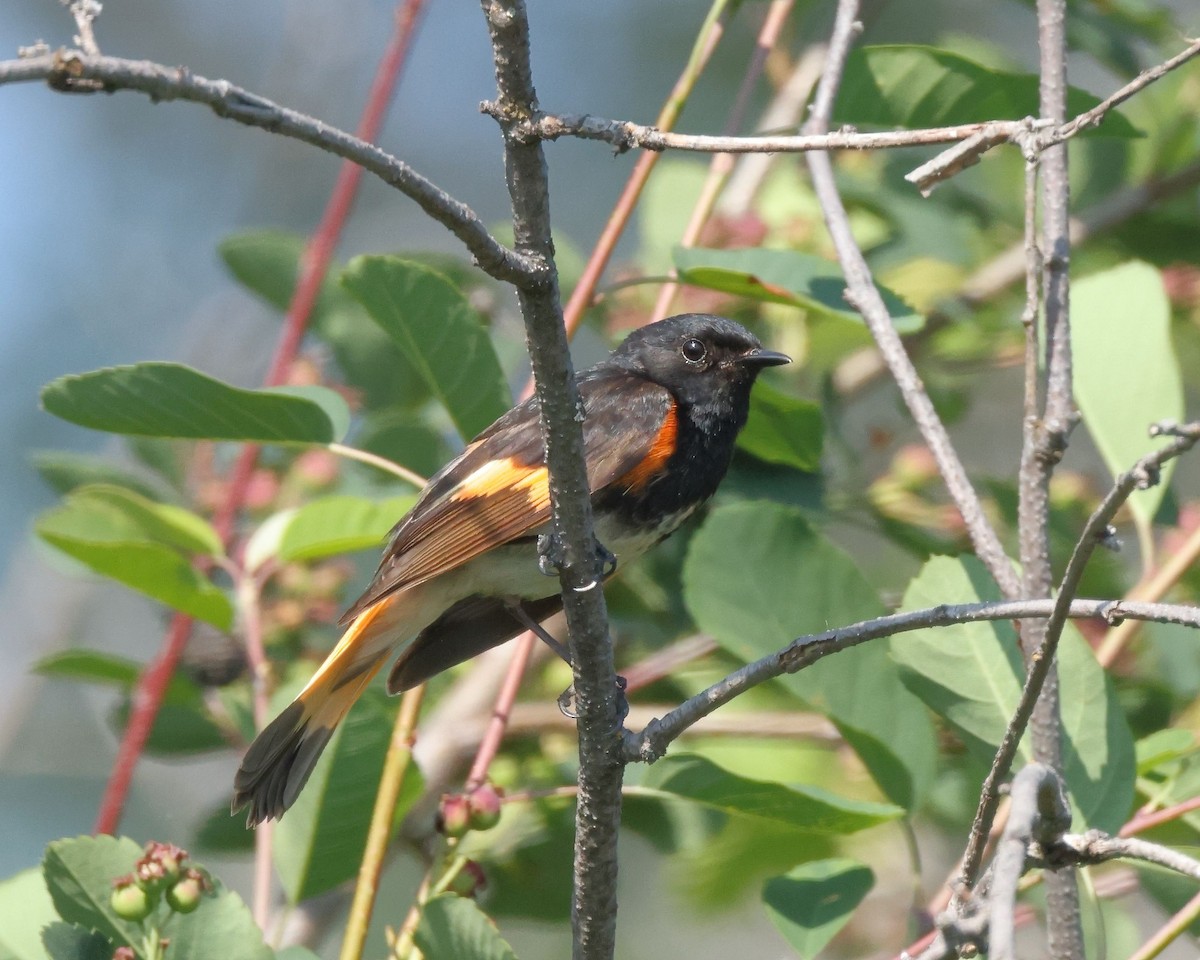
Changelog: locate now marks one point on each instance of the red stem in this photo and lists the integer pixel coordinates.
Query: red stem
(314, 266)
(494, 735)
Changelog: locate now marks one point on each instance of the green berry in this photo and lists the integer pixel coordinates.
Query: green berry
(484, 803)
(184, 896)
(454, 815)
(130, 902)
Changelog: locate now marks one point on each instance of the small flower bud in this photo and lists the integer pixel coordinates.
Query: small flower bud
(454, 815)
(124, 953)
(484, 803)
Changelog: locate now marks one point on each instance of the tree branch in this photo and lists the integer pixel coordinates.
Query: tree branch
(598, 699)
(653, 741)
(1039, 812)
(75, 71)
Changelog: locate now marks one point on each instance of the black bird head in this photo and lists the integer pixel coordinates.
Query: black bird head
(709, 363)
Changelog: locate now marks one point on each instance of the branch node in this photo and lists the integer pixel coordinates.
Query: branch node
(1108, 539)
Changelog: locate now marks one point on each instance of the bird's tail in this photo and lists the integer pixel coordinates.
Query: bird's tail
(282, 757)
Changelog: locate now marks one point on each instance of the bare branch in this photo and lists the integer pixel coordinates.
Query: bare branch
(1096, 846)
(74, 71)
(653, 741)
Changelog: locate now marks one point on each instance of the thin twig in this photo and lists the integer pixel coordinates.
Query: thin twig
(653, 741)
(379, 834)
(862, 294)
(1148, 821)
(63, 68)
(380, 463)
(1096, 846)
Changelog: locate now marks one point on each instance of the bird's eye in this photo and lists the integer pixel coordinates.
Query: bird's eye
(693, 350)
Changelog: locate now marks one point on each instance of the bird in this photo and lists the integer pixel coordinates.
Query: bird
(461, 573)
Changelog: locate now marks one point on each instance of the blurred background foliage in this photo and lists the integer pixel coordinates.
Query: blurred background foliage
(135, 234)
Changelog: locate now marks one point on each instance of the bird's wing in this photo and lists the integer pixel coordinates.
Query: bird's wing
(497, 489)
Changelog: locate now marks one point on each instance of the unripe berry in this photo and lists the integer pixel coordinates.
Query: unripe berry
(484, 803)
(184, 896)
(454, 815)
(469, 881)
(130, 902)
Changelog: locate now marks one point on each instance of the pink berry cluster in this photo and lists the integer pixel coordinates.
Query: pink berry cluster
(161, 873)
(478, 809)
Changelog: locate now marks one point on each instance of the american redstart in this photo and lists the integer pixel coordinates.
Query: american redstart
(461, 571)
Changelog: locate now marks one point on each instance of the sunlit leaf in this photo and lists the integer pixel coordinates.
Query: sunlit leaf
(340, 524)
(319, 844)
(917, 86)
(783, 429)
(454, 927)
(783, 276)
(1121, 334)
(811, 903)
(682, 778)
(439, 334)
(26, 908)
(139, 544)
(971, 674)
(171, 400)
(788, 581)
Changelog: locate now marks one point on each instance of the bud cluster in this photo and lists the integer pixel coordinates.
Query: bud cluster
(161, 873)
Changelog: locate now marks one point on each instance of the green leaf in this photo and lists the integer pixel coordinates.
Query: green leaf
(64, 941)
(811, 903)
(453, 928)
(971, 674)
(64, 472)
(99, 505)
(340, 524)
(79, 873)
(438, 332)
(1162, 747)
(696, 780)
(917, 86)
(789, 581)
(784, 276)
(403, 439)
(91, 666)
(138, 544)
(783, 429)
(26, 908)
(1121, 333)
(171, 400)
(268, 263)
(320, 842)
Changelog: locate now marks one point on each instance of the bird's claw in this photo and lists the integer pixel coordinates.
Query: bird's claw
(566, 702)
(551, 554)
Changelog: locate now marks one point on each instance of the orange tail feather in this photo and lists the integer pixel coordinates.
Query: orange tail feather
(281, 758)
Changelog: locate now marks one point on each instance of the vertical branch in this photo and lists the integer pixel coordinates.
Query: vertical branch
(601, 768)
(1045, 439)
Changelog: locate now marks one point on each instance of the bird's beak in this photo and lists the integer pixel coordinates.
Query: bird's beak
(763, 358)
